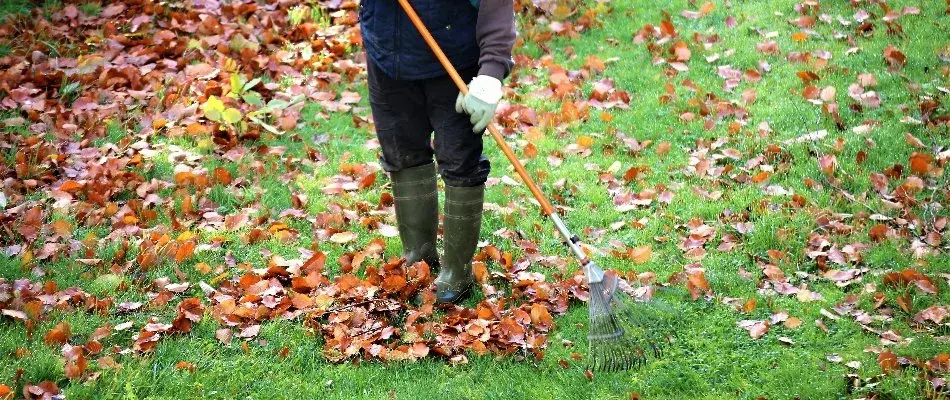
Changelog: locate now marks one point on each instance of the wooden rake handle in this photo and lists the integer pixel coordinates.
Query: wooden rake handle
(533, 187)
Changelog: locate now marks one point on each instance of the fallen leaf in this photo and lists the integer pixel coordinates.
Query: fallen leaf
(343, 237)
(887, 361)
(756, 329)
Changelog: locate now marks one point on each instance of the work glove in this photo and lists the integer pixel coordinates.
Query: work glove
(480, 103)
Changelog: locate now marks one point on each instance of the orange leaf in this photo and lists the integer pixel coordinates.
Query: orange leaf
(480, 271)
(5, 392)
(642, 254)
(530, 151)
(594, 63)
(799, 37)
(749, 305)
(663, 148)
(493, 252)
(184, 177)
(70, 186)
(301, 301)
(540, 317)
(185, 251)
(196, 129)
(222, 176)
(585, 141)
(761, 177)
(368, 180)
(394, 283)
(921, 163)
(248, 280)
(698, 279)
(185, 365)
(506, 260)
(707, 8)
(534, 134)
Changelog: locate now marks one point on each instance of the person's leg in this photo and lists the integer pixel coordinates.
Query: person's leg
(404, 133)
(464, 170)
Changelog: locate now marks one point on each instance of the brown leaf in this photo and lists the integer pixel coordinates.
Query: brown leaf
(680, 51)
(76, 362)
(878, 232)
(17, 314)
(43, 390)
(792, 322)
(888, 361)
(913, 141)
(935, 314)
(663, 148)
(59, 335)
(894, 58)
(540, 317)
(31, 223)
(223, 335)
(191, 309)
(828, 164)
(696, 282)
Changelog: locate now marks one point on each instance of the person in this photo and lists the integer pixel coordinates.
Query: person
(412, 96)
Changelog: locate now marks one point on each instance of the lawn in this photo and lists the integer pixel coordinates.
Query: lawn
(779, 166)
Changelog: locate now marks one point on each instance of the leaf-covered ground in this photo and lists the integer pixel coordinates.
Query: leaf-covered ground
(191, 204)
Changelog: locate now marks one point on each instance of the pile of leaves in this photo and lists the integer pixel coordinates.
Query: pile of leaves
(388, 311)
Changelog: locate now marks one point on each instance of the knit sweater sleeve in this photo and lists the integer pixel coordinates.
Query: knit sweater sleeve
(496, 34)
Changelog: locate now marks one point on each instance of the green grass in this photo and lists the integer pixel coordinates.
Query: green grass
(711, 357)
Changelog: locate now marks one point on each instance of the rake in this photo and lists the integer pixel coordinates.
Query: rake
(622, 333)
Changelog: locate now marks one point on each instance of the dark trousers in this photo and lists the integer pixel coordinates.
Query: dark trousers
(407, 112)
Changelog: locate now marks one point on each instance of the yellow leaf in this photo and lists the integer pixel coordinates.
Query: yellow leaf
(213, 108)
(585, 141)
(232, 116)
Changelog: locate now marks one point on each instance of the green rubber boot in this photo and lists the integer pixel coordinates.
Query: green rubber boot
(416, 199)
(460, 227)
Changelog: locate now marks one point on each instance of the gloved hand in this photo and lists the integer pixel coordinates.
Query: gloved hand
(480, 103)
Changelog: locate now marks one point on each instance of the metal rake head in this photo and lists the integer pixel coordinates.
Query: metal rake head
(624, 333)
